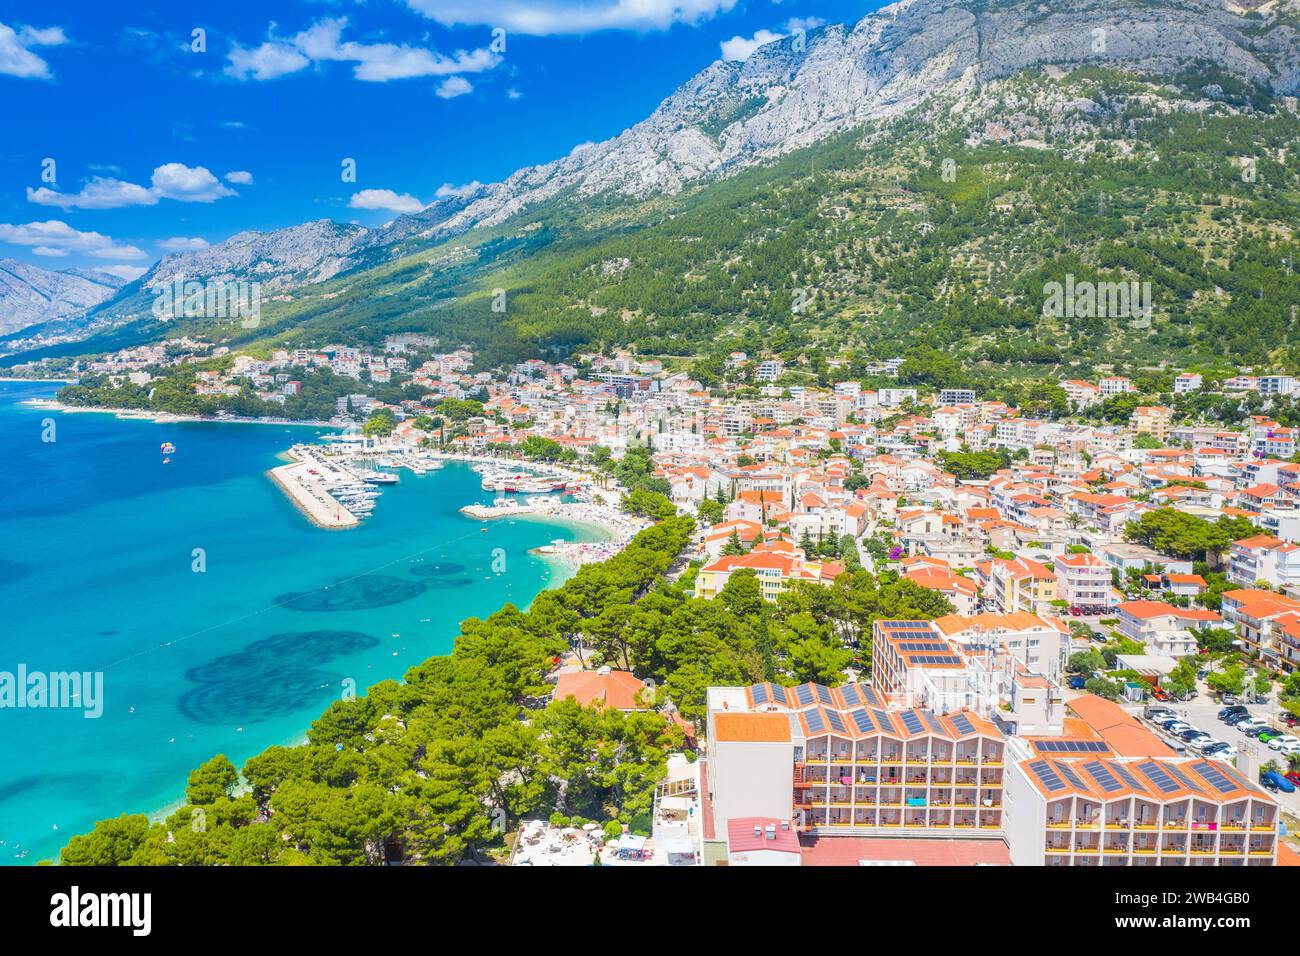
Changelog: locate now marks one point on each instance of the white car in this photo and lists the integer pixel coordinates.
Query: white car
(1248, 723)
(1202, 744)
(1226, 756)
(1277, 743)
(1286, 750)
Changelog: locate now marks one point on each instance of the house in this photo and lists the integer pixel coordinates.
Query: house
(1020, 584)
(775, 564)
(1163, 628)
(960, 591)
(1082, 580)
(1263, 559)
(619, 690)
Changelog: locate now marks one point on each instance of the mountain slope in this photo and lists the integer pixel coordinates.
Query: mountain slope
(931, 74)
(29, 295)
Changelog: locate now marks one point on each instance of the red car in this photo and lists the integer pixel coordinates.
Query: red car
(1161, 694)
(1293, 776)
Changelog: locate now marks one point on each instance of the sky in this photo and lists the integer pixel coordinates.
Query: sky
(135, 130)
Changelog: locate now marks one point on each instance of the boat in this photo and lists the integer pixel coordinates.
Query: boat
(524, 484)
(378, 478)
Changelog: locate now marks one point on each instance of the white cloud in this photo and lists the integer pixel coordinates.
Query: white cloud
(806, 24)
(373, 62)
(513, 94)
(740, 48)
(129, 273)
(183, 244)
(16, 56)
(100, 193)
(454, 86)
(547, 17)
(447, 189)
(385, 199)
(170, 181)
(265, 62)
(188, 184)
(57, 238)
(239, 177)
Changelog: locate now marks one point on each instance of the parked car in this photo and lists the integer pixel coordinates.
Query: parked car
(1287, 750)
(1273, 781)
(1292, 775)
(1226, 714)
(1176, 729)
(1153, 711)
(1278, 741)
(1193, 734)
(1077, 682)
(1203, 745)
(1291, 720)
(1268, 733)
(1217, 748)
(1248, 723)
(1160, 694)
(1252, 731)
(1228, 700)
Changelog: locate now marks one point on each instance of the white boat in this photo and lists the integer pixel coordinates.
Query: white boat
(378, 478)
(524, 484)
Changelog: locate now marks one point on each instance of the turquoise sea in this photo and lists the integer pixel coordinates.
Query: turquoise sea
(97, 574)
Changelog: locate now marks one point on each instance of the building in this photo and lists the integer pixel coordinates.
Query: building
(1096, 809)
(850, 767)
(1163, 628)
(1263, 559)
(774, 566)
(762, 841)
(1082, 580)
(1021, 584)
(1187, 382)
(1153, 420)
(956, 396)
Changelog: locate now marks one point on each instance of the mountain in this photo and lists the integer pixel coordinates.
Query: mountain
(1080, 81)
(29, 295)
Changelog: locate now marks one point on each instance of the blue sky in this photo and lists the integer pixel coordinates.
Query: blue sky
(133, 135)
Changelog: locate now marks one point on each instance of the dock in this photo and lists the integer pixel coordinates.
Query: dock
(311, 494)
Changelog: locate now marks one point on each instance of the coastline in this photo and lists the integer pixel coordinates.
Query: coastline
(164, 418)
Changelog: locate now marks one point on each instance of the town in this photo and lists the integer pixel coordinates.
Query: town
(1113, 679)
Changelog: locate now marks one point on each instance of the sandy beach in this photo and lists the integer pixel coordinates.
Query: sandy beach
(140, 414)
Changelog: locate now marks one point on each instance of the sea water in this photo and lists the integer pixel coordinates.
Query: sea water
(221, 619)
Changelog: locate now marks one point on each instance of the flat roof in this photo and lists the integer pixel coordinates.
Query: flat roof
(752, 728)
(849, 851)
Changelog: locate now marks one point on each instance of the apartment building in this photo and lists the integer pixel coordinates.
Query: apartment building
(1268, 623)
(1092, 808)
(1263, 559)
(850, 767)
(1082, 580)
(1163, 628)
(1021, 584)
(1153, 420)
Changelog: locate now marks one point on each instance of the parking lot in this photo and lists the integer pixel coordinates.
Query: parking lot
(1202, 712)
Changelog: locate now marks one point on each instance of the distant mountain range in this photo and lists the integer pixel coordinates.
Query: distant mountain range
(789, 95)
(29, 294)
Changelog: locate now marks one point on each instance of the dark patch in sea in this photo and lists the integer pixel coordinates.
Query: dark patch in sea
(11, 571)
(353, 594)
(276, 675)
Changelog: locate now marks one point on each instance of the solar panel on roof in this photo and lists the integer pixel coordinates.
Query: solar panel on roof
(804, 693)
(824, 694)
(1104, 777)
(1127, 777)
(883, 723)
(852, 694)
(962, 723)
(872, 699)
(1158, 776)
(1071, 746)
(1068, 772)
(1215, 777)
(836, 722)
(911, 645)
(932, 722)
(815, 722)
(862, 720)
(759, 692)
(912, 722)
(1044, 772)
(1182, 778)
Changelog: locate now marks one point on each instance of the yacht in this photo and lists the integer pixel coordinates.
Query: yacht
(378, 478)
